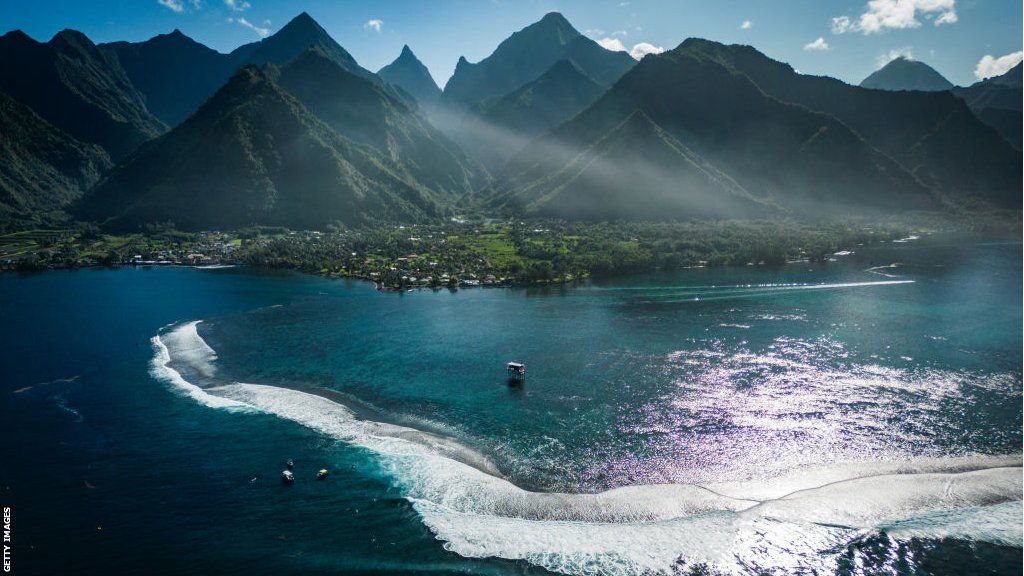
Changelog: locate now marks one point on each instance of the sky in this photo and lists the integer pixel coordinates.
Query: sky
(846, 39)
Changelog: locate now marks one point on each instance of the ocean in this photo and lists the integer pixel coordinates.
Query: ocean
(861, 416)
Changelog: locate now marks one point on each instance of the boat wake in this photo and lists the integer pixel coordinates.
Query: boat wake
(798, 521)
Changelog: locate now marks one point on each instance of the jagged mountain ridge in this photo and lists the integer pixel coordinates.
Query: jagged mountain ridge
(253, 154)
(175, 73)
(779, 152)
(526, 55)
(77, 88)
(365, 112)
(409, 74)
(495, 130)
(926, 132)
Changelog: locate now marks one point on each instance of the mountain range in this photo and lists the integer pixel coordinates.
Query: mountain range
(368, 113)
(498, 128)
(293, 131)
(78, 88)
(527, 54)
(695, 99)
(175, 74)
(254, 154)
(997, 102)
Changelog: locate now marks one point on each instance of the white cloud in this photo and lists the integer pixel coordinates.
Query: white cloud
(374, 25)
(237, 5)
(622, 33)
(613, 44)
(990, 66)
(840, 24)
(818, 45)
(261, 31)
(643, 49)
(746, 25)
(638, 51)
(173, 5)
(594, 32)
(882, 15)
(890, 55)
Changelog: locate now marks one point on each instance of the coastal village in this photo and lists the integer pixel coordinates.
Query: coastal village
(410, 256)
(453, 254)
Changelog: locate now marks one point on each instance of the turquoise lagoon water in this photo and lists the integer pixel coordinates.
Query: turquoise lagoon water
(862, 416)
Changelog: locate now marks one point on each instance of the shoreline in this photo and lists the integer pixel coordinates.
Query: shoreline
(383, 287)
(495, 257)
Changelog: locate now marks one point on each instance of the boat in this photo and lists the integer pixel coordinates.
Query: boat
(516, 372)
(322, 474)
(290, 464)
(287, 477)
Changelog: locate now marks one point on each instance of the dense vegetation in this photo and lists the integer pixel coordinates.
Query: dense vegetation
(483, 252)
(525, 55)
(615, 166)
(253, 153)
(497, 128)
(42, 169)
(78, 88)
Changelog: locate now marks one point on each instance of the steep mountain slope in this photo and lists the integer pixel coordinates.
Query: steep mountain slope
(364, 111)
(932, 134)
(560, 93)
(77, 88)
(43, 168)
(1007, 122)
(905, 74)
(176, 74)
(526, 55)
(779, 152)
(409, 74)
(297, 36)
(1000, 92)
(1012, 78)
(497, 129)
(636, 171)
(173, 72)
(253, 154)
(998, 103)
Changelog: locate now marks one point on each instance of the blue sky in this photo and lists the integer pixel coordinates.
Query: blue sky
(847, 39)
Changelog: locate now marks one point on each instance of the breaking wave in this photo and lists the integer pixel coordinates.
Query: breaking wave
(792, 522)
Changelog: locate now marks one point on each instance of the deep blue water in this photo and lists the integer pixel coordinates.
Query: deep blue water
(862, 416)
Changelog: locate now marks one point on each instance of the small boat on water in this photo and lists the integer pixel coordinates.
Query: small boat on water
(516, 372)
(322, 474)
(287, 477)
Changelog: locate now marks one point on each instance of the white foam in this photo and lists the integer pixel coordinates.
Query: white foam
(998, 523)
(190, 348)
(647, 529)
(785, 523)
(160, 368)
(438, 470)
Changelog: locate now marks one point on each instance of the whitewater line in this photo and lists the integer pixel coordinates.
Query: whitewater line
(644, 528)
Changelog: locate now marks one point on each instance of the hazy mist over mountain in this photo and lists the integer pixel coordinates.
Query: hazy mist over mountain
(512, 288)
(551, 123)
